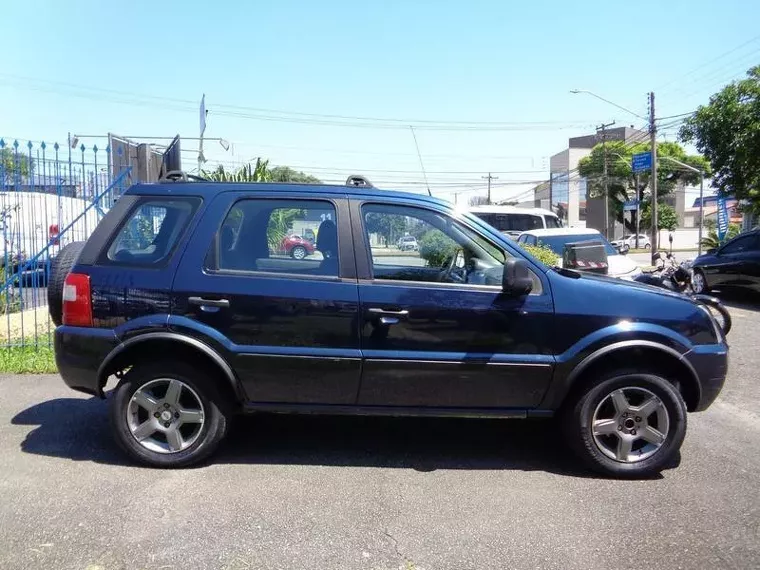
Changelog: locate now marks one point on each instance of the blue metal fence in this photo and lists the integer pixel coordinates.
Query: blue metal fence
(50, 195)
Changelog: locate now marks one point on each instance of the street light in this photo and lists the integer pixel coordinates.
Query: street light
(576, 91)
(701, 194)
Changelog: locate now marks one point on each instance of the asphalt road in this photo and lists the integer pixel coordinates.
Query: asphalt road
(364, 493)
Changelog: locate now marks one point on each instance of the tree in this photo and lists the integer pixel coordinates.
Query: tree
(258, 172)
(712, 241)
(287, 174)
(727, 132)
(14, 165)
(389, 226)
(478, 201)
(667, 219)
(621, 181)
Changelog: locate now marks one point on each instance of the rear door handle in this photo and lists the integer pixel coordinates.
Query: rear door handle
(202, 302)
(386, 312)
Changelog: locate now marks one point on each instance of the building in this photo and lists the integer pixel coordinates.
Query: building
(565, 193)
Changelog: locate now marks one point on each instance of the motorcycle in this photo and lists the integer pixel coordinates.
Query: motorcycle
(674, 276)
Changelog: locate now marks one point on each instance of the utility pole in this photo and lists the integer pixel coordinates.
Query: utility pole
(653, 142)
(489, 178)
(638, 210)
(603, 128)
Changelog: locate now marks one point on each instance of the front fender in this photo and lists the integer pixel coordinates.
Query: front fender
(603, 342)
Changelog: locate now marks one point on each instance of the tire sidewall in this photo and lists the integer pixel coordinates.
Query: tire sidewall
(212, 432)
(300, 249)
(582, 417)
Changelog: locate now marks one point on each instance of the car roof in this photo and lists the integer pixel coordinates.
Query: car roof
(210, 189)
(563, 232)
(496, 209)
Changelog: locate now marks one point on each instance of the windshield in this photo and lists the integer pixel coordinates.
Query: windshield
(511, 222)
(557, 243)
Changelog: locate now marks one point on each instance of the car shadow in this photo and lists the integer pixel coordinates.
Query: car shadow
(738, 298)
(79, 429)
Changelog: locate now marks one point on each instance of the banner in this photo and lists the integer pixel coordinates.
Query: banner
(722, 218)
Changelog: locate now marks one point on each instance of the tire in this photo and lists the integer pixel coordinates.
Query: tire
(198, 439)
(603, 452)
(647, 245)
(699, 282)
(60, 267)
(626, 247)
(298, 252)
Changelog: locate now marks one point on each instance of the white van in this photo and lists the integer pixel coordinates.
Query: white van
(513, 220)
(29, 221)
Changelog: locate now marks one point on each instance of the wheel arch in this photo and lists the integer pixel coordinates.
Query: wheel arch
(157, 345)
(649, 356)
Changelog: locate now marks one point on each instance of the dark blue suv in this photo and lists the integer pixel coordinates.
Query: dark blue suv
(185, 294)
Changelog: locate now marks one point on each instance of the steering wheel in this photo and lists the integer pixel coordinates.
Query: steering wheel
(452, 273)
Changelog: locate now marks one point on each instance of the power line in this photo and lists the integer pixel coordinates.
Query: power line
(256, 113)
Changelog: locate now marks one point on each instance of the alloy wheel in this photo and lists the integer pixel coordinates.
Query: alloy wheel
(630, 424)
(299, 252)
(165, 415)
(697, 282)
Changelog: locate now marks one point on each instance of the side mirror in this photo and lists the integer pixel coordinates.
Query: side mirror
(516, 278)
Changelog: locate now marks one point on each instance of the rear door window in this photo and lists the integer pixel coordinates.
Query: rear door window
(151, 231)
(512, 222)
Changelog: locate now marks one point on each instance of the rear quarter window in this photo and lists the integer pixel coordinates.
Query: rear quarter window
(150, 232)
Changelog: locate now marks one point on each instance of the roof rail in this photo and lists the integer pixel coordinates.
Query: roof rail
(359, 181)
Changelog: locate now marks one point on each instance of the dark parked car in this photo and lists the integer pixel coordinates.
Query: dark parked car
(735, 264)
(473, 326)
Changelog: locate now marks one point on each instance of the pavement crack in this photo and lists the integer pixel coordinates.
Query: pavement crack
(395, 544)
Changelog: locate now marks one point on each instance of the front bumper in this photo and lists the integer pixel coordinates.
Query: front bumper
(79, 354)
(710, 362)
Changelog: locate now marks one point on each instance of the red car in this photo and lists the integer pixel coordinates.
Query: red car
(296, 246)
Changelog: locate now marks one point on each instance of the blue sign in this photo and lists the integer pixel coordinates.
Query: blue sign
(641, 161)
(630, 206)
(722, 218)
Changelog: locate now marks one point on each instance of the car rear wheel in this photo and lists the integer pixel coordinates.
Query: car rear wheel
(630, 424)
(626, 247)
(647, 245)
(298, 252)
(698, 282)
(167, 414)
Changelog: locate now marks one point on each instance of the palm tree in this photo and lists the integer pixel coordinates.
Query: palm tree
(711, 240)
(258, 172)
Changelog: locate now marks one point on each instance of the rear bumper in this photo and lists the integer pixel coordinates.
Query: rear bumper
(710, 362)
(79, 354)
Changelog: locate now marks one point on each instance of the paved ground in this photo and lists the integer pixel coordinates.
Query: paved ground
(356, 493)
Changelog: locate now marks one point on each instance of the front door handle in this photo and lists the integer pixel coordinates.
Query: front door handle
(202, 302)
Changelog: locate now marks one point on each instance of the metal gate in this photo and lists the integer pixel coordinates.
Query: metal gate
(50, 195)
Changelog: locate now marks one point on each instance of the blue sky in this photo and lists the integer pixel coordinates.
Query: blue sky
(140, 68)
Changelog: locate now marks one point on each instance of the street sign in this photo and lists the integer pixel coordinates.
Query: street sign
(641, 161)
(722, 218)
(630, 206)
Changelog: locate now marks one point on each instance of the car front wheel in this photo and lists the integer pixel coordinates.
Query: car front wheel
(167, 414)
(698, 282)
(631, 424)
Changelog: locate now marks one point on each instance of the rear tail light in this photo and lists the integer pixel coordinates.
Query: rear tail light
(77, 302)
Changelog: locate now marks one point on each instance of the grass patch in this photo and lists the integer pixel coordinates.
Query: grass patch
(31, 358)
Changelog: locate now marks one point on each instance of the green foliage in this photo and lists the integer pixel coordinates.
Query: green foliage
(29, 358)
(436, 248)
(287, 174)
(667, 219)
(280, 225)
(13, 164)
(711, 241)
(727, 132)
(621, 182)
(711, 224)
(258, 172)
(542, 253)
(391, 227)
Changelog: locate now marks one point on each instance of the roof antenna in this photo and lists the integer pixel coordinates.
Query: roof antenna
(422, 166)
